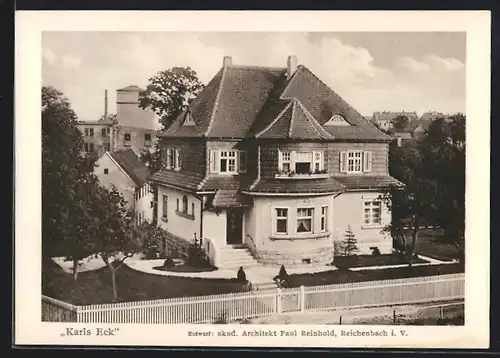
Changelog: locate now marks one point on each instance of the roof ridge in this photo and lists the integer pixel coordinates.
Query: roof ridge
(256, 67)
(216, 102)
(290, 128)
(274, 121)
(299, 67)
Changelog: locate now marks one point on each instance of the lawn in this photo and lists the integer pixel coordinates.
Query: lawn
(346, 276)
(373, 260)
(429, 243)
(95, 286)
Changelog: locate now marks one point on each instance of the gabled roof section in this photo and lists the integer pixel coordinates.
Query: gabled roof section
(294, 122)
(131, 164)
(322, 103)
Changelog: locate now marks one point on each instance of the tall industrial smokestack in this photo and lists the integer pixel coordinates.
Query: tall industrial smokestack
(105, 104)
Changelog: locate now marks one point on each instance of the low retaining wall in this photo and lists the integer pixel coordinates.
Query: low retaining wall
(175, 246)
(291, 258)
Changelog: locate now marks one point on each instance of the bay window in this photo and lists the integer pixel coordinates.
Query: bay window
(301, 162)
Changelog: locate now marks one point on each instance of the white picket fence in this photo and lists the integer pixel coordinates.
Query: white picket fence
(235, 306)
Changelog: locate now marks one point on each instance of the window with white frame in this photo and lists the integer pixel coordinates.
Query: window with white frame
(281, 220)
(301, 162)
(170, 158)
(184, 204)
(324, 218)
(305, 220)
(227, 161)
(372, 212)
(355, 161)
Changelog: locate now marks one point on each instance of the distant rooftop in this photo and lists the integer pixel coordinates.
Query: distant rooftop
(131, 88)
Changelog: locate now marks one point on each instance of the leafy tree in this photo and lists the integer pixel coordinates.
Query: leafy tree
(116, 237)
(349, 245)
(169, 92)
(112, 117)
(443, 151)
(400, 122)
(66, 174)
(413, 205)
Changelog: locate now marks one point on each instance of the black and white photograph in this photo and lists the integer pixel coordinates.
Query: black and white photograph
(255, 184)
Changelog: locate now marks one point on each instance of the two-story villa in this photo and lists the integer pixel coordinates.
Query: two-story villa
(273, 163)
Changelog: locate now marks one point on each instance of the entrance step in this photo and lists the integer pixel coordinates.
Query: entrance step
(265, 286)
(236, 256)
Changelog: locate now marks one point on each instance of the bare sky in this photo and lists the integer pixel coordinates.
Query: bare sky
(372, 71)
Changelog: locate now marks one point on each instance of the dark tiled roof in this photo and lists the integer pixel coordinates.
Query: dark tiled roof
(294, 122)
(230, 198)
(241, 101)
(177, 179)
(298, 186)
(132, 88)
(131, 164)
(367, 182)
(429, 116)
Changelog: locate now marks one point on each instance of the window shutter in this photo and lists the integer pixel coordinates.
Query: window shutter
(343, 162)
(214, 161)
(280, 160)
(318, 158)
(178, 160)
(242, 161)
(367, 162)
(169, 165)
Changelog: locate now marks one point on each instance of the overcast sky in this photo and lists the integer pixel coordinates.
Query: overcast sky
(372, 71)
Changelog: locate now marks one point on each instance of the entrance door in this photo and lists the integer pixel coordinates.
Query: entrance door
(234, 226)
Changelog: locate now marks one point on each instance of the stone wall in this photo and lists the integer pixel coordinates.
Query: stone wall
(315, 257)
(175, 246)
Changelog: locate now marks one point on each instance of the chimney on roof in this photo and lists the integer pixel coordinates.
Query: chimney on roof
(291, 66)
(105, 104)
(228, 61)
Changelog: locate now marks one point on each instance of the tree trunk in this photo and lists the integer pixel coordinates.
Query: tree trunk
(413, 241)
(75, 270)
(113, 281)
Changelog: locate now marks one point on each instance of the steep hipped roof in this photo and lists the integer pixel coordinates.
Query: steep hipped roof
(131, 164)
(242, 101)
(229, 104)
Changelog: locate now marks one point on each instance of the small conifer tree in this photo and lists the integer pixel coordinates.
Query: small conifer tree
(348, 246)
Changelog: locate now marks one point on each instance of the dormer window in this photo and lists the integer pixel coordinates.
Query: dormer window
(337, 120)
(230, 161)
(188, 119)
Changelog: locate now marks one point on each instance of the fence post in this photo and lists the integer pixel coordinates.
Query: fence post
(302, 299)
(278, 301)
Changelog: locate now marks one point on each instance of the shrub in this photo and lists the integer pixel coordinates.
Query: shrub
(151, 252)
(221, 319)
(196, 255)
(169, 263)
(241, 275)
(375, 251)
(283, 274)
(348, 246)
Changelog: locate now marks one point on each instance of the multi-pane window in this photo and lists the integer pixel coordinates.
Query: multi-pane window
(107, 147)
(354, 161)
(324, 218)
(227, 161)
(286, 159)
(89, 132)
(372, 212)
(88, 147)
(147, 140)
(165, 207)
(301, 162)
(305, 220)
(126, 138)
(281, 220)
